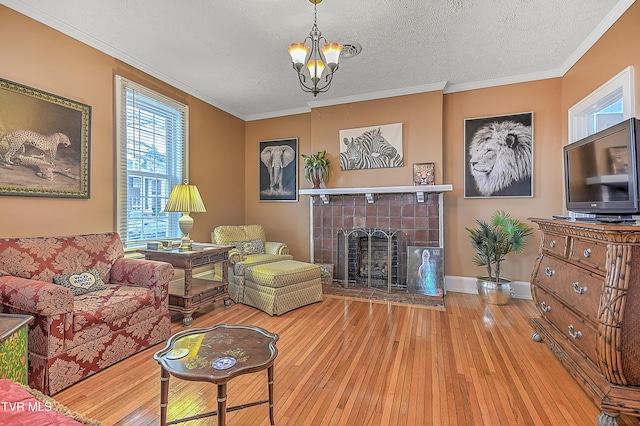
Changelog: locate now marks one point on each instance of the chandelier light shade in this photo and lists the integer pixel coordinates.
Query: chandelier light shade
(320, 62)
(185, 199)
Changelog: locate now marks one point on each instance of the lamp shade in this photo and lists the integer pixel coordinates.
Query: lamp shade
(185, 198)
(315, 68)
(331, 52)
(298, 52)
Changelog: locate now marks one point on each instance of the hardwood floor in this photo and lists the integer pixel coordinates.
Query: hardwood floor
(350, 362)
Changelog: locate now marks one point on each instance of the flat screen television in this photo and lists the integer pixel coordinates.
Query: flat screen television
(601, 172)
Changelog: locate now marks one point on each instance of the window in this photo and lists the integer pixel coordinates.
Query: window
(610, 104)
(151, 132)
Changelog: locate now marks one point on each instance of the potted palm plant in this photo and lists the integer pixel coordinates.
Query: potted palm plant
(316, 168)
(492, 241)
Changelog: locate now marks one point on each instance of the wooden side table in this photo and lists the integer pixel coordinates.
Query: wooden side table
(13, 347)
(217, 354)
(190, 295)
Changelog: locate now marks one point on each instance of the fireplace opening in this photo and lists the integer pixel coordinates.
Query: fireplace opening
(371, 257)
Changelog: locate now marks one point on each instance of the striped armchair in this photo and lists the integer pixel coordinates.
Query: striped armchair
(251, 248)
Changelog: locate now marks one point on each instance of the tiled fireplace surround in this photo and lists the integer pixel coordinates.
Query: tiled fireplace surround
(420, 222)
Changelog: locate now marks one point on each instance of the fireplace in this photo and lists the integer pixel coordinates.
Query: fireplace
(371, 257)
(412, 214)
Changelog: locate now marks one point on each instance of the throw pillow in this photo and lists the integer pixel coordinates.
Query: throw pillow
(249, 247)
(82, 282)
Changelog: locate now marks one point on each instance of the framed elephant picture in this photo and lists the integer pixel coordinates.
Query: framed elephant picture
(279, 170)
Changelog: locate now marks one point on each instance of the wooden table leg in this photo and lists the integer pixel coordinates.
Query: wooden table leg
(188, 302)
(270, 383)
(187, 320)
(222, 404)
(164, 395)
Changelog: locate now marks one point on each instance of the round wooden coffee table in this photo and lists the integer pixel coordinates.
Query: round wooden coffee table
(216, 354)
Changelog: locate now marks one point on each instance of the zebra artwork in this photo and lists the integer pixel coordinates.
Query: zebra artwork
(369, 151)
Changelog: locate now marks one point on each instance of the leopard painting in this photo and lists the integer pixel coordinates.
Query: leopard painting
(43, 169)
(16, 140)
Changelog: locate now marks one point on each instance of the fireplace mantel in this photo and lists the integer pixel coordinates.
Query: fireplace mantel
(368, 192)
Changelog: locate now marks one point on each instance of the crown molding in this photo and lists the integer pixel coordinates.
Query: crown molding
(37, 14)
(48, 20)
(618, 10)
(351, 99)
(379, 95)
(275, 114)
(524, 78)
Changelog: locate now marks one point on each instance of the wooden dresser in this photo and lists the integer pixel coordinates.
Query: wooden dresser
(586, 286)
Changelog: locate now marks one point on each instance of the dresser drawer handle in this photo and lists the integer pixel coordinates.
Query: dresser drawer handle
(576, 335)
(552, 244)
(550, 272)
(578, 289)
(587, 252)
(544, 307)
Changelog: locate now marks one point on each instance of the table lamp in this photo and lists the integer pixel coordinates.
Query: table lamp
(185, 198)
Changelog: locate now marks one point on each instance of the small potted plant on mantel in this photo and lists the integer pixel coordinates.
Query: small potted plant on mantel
(316, 168)
(493, 241)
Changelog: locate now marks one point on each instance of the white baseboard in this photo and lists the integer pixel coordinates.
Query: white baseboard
(522, 289)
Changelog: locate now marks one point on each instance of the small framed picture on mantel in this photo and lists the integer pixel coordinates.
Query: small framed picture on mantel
(423, 173)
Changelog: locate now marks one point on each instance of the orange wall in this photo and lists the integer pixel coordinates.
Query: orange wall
(224, 149)
(426, 139)
(421, 118)
(434, 131)
(286, 222)
(37, 56)
(616, 50)
(543, 99)
(420, 115)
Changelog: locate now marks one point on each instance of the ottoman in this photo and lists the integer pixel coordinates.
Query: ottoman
(280, 287)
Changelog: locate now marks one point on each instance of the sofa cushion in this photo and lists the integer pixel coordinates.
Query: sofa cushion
(112, 306)
(224, 234)
(40, 258)
(249, 247)
(258, 259)
(82, 282)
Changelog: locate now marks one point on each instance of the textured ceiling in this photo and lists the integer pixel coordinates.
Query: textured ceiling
(233, 53)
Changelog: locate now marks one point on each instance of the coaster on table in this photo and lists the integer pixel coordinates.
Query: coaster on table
(177, 353)
(223, 363)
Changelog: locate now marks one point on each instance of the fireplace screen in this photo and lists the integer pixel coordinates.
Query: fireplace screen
(371, 257)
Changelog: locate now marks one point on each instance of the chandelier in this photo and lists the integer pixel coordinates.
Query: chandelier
(320, 61)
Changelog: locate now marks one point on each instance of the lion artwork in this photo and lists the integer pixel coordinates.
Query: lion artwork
(500, 156)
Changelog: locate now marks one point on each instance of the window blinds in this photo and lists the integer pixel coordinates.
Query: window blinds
(151, 133)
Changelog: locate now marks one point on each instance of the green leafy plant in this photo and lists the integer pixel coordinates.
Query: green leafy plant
(495, 239)
(316, 165)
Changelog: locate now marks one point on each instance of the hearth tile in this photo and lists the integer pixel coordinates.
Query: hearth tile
(407, 223)
(421, 222)
(395, 210)
(347, 222)
(420, 235)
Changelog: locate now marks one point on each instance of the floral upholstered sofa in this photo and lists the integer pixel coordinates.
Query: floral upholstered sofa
(74, 336)
(250, 248)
